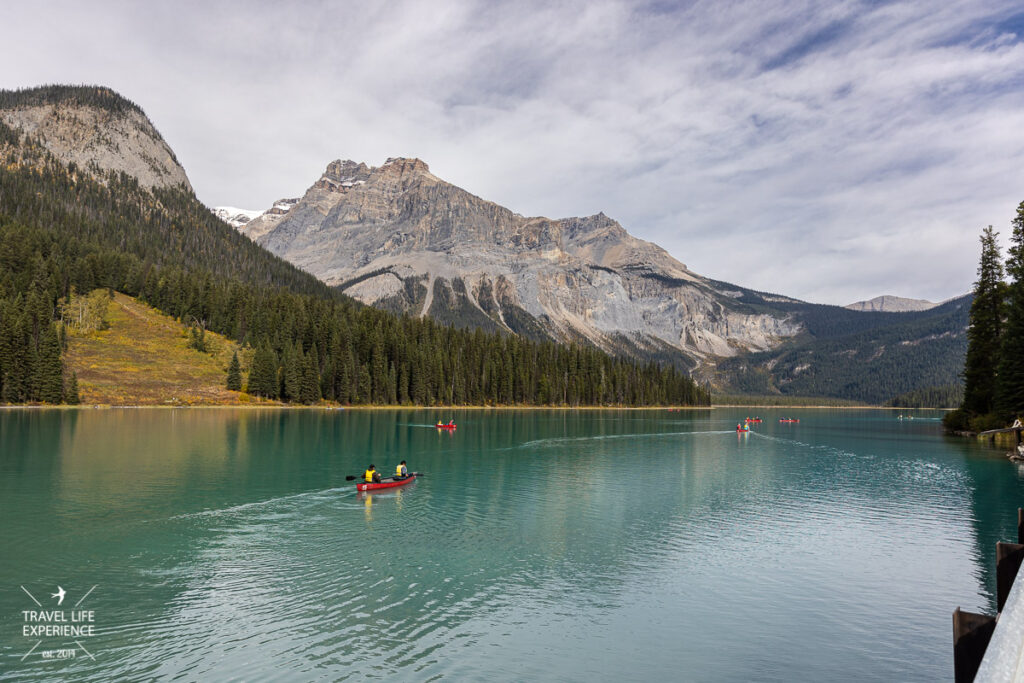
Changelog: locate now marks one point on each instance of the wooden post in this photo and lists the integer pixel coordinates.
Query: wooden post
(1008, 559)
(971, 633)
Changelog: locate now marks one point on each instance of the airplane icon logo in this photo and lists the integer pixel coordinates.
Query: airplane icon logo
(59, 595)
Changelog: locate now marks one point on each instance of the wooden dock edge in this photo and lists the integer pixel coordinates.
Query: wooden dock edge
(972, 632)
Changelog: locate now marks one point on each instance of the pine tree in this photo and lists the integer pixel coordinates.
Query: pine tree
(309, 388)
(363, 390)
(48, 374)
(985, 330)
(234, 374)
(291, 373)
(1010, 379)
(197, 338)
(71, 396)
(263, 375)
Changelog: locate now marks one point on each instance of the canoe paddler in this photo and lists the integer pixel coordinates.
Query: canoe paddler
(401, 471)
(371, 475)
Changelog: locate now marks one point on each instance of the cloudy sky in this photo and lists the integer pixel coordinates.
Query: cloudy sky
(833, 151)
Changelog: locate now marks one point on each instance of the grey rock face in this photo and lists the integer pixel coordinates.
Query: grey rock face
(892, 304)
(89, 136)
(377, 230)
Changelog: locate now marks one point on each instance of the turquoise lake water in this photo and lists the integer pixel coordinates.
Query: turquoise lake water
(539, 545)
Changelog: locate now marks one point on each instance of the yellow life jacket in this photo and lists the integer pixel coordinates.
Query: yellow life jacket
(401, 471)
(368, 476)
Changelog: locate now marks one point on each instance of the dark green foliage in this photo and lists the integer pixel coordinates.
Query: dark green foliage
(864, 356)
(930, 397)
(309, 387)
(291, 373)
(870, 365)
(761, 400)
(451, 305)
(197, 338)
(59, 232)
(30, 350)
(48, 374)
(234, 374)
(985, 331)
(1009, 399)
(8, 136)
(71, 395)
(964, 421)
(95, 96)
(263, 374)
(956, 421)
(818, 320)
(409, 299)
(994, 370)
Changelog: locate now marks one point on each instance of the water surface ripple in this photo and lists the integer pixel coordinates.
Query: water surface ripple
(548, 545)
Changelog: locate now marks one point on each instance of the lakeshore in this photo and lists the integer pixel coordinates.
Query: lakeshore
(260, 404)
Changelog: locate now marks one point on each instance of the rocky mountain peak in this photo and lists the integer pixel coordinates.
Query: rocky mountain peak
(403, 165)
(579, 225)
(342, 171)
(94, 128)
(398, 237)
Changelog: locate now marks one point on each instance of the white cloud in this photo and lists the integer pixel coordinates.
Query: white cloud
(834, 152)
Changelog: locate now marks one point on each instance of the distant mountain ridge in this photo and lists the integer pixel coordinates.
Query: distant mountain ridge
(406, 241)
(66, 228)
(891, 304)
(871, 356)
(400, 238)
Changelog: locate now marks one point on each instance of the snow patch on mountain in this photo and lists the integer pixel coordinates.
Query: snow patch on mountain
(235, 217)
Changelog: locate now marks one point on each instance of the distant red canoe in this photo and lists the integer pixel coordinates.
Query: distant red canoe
(742, 430)
(386, 484)
(444, 426)
(789, 420)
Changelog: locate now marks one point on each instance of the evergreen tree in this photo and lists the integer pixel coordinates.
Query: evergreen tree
(72, 393)
(263, 375)
(234, 374)
(363, 389)
(48, 374)
(985, 330)
(291, 373)
(309, 389)
(197, 338)
(1010, 379)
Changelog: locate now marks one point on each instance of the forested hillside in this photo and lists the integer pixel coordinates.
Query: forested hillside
(62, 229)
(871, 357)
(93, 96)
(930, 397)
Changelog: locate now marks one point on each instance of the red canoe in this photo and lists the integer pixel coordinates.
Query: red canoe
(385, 484)
(442, 426)
(742, 430)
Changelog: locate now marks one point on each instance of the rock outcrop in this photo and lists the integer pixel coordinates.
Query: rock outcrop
(891, 304)
(96, 129)
(399, 237)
